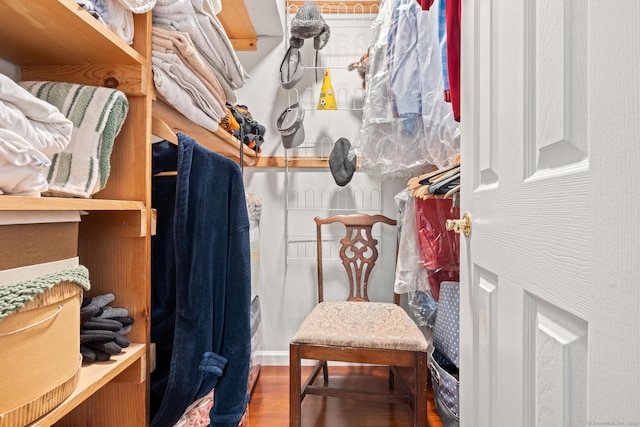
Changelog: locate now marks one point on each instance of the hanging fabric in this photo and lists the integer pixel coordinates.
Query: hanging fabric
(201, 284)
(406, 123)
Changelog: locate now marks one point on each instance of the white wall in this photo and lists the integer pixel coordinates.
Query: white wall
(288, 290)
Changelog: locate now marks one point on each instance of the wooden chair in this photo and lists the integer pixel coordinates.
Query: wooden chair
(358, 330)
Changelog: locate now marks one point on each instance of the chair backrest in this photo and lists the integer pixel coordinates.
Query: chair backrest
(358, 252)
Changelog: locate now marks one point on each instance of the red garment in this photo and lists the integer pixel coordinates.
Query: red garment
(425, 4)
(454, 19)
(439, 248)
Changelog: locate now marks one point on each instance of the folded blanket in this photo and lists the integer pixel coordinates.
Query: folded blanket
(182, 95)
(118, 18)
(180, 43)
(21, 166)
(165, 57)
(207, 34)
(97, 113)
(14, 296)
(41, 124)
(31, 132)
(138, 6)
(229, 92)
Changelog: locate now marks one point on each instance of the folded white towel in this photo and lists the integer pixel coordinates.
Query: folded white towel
(229, 92)
(21, 166)
(118, 18)
(180, 96)
(216, 6)
(207, 34)
(41, 124)
(180, 43)
(97, 113)
(138, 6)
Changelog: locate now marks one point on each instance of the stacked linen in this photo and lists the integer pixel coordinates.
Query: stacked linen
(185, 80)
(97, 114)
(198, 19)
(117, 15)
(32, 131)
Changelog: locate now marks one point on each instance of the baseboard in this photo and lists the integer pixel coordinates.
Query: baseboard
(281, 358)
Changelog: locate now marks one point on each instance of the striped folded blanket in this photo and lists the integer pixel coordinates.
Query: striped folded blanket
(97, 113)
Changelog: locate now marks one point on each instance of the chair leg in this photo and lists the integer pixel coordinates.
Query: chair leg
(295, 400)
(392, 382)
(420, 391)
(325, 373)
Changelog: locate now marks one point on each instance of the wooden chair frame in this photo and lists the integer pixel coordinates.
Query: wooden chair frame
(359, 254)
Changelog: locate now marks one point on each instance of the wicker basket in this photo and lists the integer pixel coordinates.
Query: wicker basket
(39, 355)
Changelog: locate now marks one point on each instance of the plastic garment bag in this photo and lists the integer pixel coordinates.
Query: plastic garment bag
(406, 123)
(411, 278)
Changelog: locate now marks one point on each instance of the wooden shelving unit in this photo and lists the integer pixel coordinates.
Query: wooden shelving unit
(58, 41)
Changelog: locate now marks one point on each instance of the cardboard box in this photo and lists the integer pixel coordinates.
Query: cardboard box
(39, 354)
(35, 237)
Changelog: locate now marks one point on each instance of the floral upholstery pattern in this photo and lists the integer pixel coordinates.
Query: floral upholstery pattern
(361, 325)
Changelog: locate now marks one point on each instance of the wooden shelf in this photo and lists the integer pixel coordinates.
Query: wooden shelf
(15, 203)
(95, 376)
(281, 162)
(31, 34)
(235, 19)
(219, 142)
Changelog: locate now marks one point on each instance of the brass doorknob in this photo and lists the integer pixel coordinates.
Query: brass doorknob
(460, 225)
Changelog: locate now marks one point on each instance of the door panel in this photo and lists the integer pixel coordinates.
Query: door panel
(525, 294)
(556, 365)
(556, 82)
(550, 147)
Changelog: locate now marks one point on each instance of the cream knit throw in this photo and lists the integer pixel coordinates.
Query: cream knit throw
(16, 295)
(97, 113)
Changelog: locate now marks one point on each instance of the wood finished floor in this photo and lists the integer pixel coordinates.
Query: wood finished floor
(269, 406)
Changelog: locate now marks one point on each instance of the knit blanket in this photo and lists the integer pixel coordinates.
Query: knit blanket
(97, 113)
(16, 295)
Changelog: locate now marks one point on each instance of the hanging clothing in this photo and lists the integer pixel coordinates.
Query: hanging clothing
(454, 22)
(425, 4)
(442, 38)
(406, 123)
(201, 285)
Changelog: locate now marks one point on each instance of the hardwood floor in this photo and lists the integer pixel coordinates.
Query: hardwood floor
(269, 406)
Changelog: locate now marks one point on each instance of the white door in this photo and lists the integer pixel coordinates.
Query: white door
(550, 280)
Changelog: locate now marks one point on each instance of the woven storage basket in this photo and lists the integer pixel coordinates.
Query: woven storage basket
(39, 354)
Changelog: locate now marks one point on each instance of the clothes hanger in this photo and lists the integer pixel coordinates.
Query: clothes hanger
(162, 130)
(454, 190)
(437, 174)
(434, 187)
